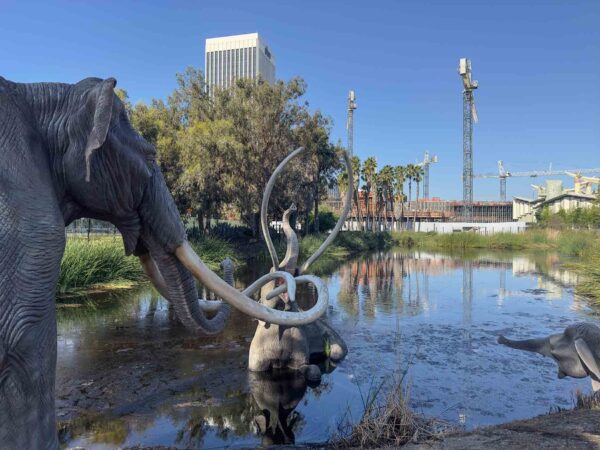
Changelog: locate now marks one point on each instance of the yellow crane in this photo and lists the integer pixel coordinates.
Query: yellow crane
(582, 183)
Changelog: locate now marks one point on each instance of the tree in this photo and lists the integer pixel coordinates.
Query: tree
(323, 158)
(368, 175)
(399, 178)
(221, 150)
(206, 179)
(417, 177)
(385, 180)
(356, 174)
(264, 117)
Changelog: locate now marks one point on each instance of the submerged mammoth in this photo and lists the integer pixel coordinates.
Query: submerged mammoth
(68, 151)
(276, 395)
(277, 346)
(576, 351)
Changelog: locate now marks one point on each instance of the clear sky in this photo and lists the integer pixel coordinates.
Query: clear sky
(537, 63)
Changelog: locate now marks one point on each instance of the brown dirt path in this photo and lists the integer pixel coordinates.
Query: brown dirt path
(578, 429)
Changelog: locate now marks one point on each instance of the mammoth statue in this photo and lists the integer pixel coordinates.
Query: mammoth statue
(68, 151)
(276, 346)
(576, 351)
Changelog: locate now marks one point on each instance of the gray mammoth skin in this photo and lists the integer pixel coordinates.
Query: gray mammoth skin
(277, 395)
(293, 347)
(68, 151)
(576, 351)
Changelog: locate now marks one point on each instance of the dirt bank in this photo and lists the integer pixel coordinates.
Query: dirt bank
(564, 430)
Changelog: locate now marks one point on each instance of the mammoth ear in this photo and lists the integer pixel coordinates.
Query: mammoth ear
(102, 114)
(587, 357)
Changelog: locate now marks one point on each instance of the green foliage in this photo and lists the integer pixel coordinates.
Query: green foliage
(586, 218)
(213, 250)
(97, 261)
(220, 151)
(346, 243)
(327, 220)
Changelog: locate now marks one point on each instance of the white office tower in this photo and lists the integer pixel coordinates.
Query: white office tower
(229, 58)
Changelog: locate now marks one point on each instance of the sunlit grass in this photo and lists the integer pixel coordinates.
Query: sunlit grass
(566, 242)
(96, 261)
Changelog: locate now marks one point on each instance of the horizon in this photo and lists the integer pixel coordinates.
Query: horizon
(538, 67)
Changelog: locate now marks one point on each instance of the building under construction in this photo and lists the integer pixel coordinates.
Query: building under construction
(424, 210)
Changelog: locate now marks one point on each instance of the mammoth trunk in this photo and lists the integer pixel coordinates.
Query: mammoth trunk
(163, 232)
(540, 345)
(183, 294)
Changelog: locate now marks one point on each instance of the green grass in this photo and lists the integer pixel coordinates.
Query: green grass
(101, 262)
(345, 244)
(568, 242)
(98, 261)
(213, 250)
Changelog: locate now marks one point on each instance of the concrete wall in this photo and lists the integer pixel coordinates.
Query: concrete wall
(481, 228)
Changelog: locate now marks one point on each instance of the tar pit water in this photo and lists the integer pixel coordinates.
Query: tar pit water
(129, 374)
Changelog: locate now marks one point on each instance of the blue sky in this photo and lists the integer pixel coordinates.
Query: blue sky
(537, 63)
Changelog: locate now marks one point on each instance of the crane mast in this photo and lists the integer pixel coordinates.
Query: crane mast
(427, 161)
(469, 118)
(350, 122)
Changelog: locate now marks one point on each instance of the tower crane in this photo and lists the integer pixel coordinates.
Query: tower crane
(427, 161)
(503, 174)
(469, 118)
(350, 122)
(583, 184)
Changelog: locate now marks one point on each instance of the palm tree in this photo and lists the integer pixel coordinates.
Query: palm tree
(399, 178)
(342, 181)
(356, 175)
(385, 179)
(410, 173)
(368, 174)
(417, 176)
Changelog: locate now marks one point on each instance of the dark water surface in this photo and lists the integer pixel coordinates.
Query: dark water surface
(128, 374)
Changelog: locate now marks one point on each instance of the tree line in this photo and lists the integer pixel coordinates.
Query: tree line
(381, 190)
(217, 151)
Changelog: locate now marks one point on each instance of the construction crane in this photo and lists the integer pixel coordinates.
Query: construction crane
(469, 118)
(350, 122)
(503, 174)
(427, 161)
(583, 184)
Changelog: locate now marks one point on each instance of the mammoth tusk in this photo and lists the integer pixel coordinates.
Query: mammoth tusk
(302, 279)
(290, 285)
(338, 226)
(264, 207)
(152, 272)
(341, 220)
(188, 257)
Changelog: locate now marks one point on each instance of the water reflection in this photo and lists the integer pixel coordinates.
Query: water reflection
(129, 374)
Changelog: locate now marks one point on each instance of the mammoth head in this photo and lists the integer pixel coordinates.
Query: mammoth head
(107, 164)
(109, 172)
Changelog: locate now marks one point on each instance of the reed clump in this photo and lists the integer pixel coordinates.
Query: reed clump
(587, 401)
(388, 422)
(100, 260)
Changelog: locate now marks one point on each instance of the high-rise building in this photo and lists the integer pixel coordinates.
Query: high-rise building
(231, 57)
